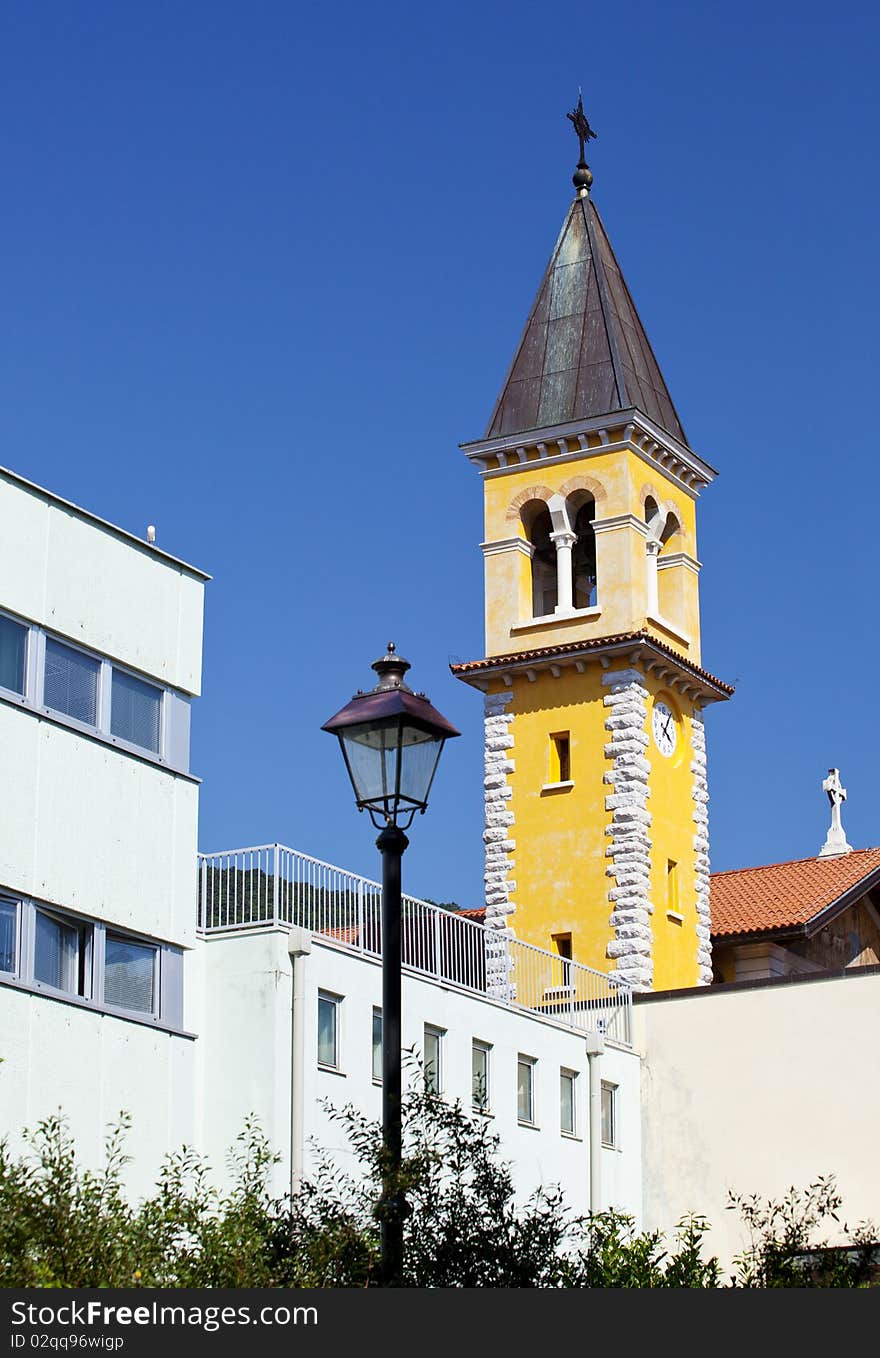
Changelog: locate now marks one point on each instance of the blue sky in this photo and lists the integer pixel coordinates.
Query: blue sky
(264, 267)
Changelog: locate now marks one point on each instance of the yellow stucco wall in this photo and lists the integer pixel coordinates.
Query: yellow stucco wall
(560, 861)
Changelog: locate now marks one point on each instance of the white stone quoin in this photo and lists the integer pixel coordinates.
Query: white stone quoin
(701, 848)
(498, 840)
(630, 847)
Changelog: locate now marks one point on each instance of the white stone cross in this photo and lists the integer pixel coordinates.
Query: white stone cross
(835, 841)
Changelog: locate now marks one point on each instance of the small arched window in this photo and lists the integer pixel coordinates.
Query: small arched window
(538, 525)
(582, 512)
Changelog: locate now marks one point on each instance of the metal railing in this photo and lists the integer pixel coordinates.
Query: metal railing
(273, 885)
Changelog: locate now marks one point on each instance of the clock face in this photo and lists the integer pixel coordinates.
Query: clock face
(664, 729)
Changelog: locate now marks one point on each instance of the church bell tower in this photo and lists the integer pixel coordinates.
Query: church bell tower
(596, 796)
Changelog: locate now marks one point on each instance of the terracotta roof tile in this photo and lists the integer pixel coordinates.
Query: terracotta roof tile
(780, 896)
(575, 648)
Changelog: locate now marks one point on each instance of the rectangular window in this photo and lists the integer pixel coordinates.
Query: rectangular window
(377, 1046)
(328, 1030)
(568, 1102)
(560, 757)
(8, 917)
(71, 682)
(480, 1075)
(609, 1114)
(671, 886)
(135, 711)
(13, 639)
(130, 974)
(433, 1059)
(525, 1090)
(61, 953)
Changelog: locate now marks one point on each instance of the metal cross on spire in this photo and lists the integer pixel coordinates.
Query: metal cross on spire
(582, 177)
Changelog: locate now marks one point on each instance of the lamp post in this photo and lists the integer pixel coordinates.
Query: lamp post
(391, 739)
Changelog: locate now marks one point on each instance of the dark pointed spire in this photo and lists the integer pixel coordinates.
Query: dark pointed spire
(584, 351)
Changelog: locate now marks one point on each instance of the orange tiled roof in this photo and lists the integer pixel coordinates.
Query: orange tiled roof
(780, 896)
(478, 912)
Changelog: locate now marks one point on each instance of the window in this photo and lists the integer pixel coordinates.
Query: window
(480, 1075)
(538, 526)
(61, 952)
(672, 888)
(583, 557)
(609, 1115)
(525, 1090)
(377, 1046)
(433, 1059)
(568, 1102)
(13, 639)
(328, 1030)
(89, 962)
(135, 711)
(8, 920)
(560, 757)
(71, 682)
(130, 974)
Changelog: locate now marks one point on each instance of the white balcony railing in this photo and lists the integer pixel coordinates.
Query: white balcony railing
(271, 885)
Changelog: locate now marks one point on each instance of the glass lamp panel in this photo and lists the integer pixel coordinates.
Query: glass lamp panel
(419, 757)
(372, 760)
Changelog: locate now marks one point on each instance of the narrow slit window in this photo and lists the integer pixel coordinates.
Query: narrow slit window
(672, 886)
(480, 1076)
(609, 1115)
(433, 1059)
(568, 1102)
(328, 1031)
(525, 1090)
(377, 1046)
(560, 757)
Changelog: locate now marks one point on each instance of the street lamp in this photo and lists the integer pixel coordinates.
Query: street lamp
(391, 739)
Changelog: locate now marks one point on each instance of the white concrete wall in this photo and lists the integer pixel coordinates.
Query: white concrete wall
(756, 1089)
(91, 1066)
(87, 827)
(245, 1063)
(61, 568)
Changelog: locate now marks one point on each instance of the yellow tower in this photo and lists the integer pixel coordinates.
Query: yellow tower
(596, 798)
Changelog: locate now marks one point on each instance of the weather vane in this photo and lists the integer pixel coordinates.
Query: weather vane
(578, 120)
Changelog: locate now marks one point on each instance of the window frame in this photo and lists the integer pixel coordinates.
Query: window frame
(484, 1108)
(13, 694)
(566, 1073)
(15, 970)
(335, 1001)
(167, 1010)
(432, 1030)
(529, 1063)
(377, 1014)
(172, 743)
(609, 1101)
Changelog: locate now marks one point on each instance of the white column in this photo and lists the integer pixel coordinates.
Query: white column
(595, 1048)
(652, 604)
(563, 541)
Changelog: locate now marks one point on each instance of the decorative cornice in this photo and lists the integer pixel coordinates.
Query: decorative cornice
(689, 562)
(672, 668)
(620, 521)
(630, 429)
(501, 545)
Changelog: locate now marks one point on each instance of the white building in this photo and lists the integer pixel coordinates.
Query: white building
(119, 991)
(194, 990)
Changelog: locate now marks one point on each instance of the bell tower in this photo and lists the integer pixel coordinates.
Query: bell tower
(596, 796)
